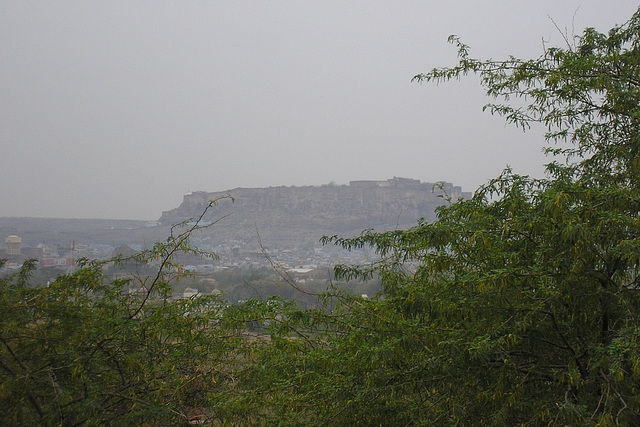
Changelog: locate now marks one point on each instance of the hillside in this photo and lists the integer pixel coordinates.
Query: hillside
(295, 216)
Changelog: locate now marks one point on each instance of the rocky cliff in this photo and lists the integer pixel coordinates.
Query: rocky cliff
(294, 216)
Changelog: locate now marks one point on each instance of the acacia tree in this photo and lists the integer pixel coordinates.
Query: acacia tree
(88, 351)
(518, 306)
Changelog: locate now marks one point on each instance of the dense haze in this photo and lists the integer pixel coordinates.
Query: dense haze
(116, 109)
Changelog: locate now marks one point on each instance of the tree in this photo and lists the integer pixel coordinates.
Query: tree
(518, 306)
(86, 351)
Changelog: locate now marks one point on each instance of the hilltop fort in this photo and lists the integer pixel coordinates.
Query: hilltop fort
(295, 216)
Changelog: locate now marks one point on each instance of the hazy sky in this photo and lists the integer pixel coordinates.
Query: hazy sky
(116, 109)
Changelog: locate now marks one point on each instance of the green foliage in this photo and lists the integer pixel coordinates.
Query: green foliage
(518, 306)
(85, 352)
(586, 95)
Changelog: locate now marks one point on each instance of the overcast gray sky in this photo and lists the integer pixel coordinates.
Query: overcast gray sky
(116, 109)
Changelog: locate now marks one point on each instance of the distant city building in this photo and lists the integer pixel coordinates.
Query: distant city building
(13, 245)
(58, 262)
